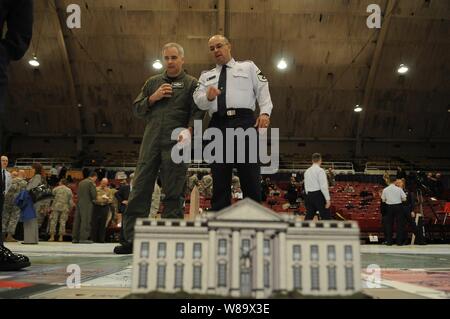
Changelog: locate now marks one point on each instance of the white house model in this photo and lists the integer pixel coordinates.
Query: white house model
(246, 250)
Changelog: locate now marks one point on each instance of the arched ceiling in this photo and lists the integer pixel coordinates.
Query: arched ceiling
(335, 62)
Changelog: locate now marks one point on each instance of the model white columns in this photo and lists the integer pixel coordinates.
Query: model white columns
(235, 260)
(212, 261)
(282, 272)
(259, 264)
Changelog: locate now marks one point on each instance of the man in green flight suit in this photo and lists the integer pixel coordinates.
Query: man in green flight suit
(166, 103)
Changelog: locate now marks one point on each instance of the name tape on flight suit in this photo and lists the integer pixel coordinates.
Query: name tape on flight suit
(177, 85)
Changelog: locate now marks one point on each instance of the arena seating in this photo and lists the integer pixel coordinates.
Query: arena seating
(345, 205)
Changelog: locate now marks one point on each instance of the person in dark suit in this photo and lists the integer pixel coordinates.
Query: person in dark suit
(383, 211)
(292, 192)
(264, 189)
(401, 174)
(122, 196)
(87, 194)
(18, 16)
(409, 215)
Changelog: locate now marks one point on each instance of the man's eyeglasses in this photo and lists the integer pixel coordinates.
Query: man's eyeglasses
(218, 46)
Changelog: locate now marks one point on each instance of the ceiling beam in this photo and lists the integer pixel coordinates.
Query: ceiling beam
(368, 92)
(221, 8)
(62, 33)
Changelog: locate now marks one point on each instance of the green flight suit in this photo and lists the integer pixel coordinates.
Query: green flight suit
(155, 153)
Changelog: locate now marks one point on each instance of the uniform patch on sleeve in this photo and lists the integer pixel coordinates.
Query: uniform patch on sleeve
(197, 86)
(261, 76)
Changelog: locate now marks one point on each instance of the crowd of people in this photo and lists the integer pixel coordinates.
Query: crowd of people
(430, 183)
(43, 202)
(398, 208)
(97, 207)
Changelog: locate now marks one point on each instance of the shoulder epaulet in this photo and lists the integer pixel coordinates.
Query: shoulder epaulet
(206, 71)
(249, 61)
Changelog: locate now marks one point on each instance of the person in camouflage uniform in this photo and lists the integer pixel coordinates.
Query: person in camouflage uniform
(11, 213)
(192, 181)
(41, 207)
(61, 206)
(207, 185)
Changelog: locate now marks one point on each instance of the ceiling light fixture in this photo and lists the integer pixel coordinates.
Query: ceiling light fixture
(157, 65)
(402, 69)
(282, 65)
(34, 62)
(358, 109)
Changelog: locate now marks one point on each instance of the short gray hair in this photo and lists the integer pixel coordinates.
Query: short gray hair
(173, 45)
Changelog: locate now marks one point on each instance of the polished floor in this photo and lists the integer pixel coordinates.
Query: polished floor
(407, 272)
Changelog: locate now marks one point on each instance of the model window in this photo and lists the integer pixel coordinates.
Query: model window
(197, 277)
(348, 253)
(222, 278)
(145, 250)
(245, 247)
(332, 278)
(266, 274)
(222, 247)
(314, 253)
(143, 273)
(179, 250)
(162, 250)
(161, 276)
(179, 276)
(297, 252)
(349, 282)
(315, 284)
(266, 247)
(197, 250)
(297, 276)
(331, 253)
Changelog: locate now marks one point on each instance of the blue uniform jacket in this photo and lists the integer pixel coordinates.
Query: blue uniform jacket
(25, 203)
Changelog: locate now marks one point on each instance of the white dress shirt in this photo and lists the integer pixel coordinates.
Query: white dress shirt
(316, 180)
(8, 180)
(245, 85)
(393, 195)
